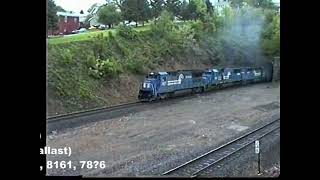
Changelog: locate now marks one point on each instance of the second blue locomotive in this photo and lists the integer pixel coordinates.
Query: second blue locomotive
(162, 85)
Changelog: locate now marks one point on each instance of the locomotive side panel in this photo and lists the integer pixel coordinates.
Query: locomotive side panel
(166, 84)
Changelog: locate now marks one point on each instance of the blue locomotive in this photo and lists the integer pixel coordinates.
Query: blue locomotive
(162, 85)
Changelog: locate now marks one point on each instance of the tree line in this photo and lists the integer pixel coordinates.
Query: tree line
(142, 11)
(115, 11)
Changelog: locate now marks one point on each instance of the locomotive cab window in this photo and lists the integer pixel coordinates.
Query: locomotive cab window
(197, 74)
(209, 73)
(237, 71)
(152, 76)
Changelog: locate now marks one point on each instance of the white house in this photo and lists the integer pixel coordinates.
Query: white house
(93, 21)
(82, 17)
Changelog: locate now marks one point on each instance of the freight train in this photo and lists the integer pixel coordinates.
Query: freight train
(162, 85)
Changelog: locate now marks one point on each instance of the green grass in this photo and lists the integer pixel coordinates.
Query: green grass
(87, 35)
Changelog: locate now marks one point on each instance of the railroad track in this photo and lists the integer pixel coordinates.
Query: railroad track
(194, 167)
(89, 112)
(93, 115)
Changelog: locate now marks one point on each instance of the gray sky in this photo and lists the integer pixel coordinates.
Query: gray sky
(77, 5)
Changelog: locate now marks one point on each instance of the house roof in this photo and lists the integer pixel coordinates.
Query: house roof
(95, 9)
(68, 14)
(93, 17)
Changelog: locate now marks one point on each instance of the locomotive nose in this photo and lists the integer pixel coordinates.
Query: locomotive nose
(146, 91)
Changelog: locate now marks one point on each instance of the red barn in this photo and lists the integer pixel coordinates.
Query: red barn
(67, 22)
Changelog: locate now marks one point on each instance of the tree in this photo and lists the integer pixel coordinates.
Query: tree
(52, 18)
(173, 6)
(271, 36)
(192, 8)
(81, 12)
(197, 9)
(201, 8)
(146, 12)
(237, 3)
(109, 15)
(164, 25)
(129, 9)
(134, 10)
(265, 4)
(184, 11)
(118, 3)
(157, 7)
(209, 7)
(60, 9)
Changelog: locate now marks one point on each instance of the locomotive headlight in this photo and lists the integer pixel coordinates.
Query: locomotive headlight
(146, 85)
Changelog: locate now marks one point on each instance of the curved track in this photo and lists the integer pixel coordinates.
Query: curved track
(62, 117)
(194, 167)
(93, 115)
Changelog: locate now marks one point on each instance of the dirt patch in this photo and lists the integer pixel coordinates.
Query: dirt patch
(152, 141)
(268, 107)
(274, 171)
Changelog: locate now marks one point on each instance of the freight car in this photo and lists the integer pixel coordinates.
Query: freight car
(161, 85)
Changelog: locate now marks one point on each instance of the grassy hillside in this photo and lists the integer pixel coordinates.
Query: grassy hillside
(107, 68)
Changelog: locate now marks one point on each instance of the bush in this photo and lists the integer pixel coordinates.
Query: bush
(65, 57)
(135, 66)
(127, 32)
(209, 24)
(271, 36)
(198, 28)
(163, 26)
(105, 68)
